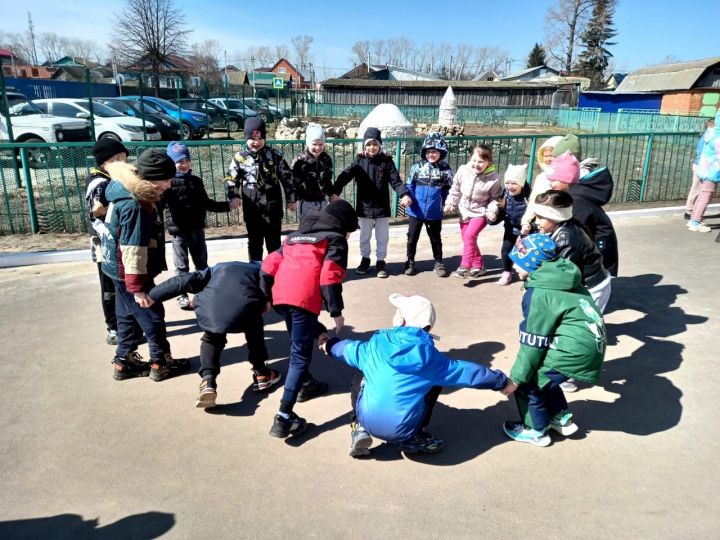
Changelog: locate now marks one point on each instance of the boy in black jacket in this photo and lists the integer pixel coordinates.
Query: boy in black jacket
(185, 205)
(312, 172)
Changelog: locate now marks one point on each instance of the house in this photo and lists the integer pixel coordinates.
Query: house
(74, 61)
(488, 76)
(387, 72)
(613, 80)
(78, 74)
(531, 74)
(300, 78)
(173, 71)
(236, 77)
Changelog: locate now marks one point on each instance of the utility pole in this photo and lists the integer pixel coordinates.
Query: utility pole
(31, 31)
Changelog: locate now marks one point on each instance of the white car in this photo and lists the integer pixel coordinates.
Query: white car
(109, 123)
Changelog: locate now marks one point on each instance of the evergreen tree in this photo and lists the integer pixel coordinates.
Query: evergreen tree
(536, 57)
(593, 61)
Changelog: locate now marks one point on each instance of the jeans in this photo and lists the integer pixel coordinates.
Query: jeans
(194, 242)
(302, 326)
(151, 320)
(212, 346)
(537, 405)
(471, 256)
(433, 228)
(382, 236)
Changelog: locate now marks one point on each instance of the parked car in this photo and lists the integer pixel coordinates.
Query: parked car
(108, 122)
(194, 124)
(169, 129)
(219, 117)
(277, 111)
(235, 105)
(262, 111)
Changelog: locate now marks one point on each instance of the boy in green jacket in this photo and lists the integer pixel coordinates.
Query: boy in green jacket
(562, 335)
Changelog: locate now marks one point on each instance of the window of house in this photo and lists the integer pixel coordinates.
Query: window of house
(281, 70)
(34, 72)
(23, 72)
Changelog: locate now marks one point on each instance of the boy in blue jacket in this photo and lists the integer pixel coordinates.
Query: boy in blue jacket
(402, 376)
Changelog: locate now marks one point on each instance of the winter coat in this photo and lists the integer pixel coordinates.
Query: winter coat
(708, 164)
(312, 176)
(400, 365)
(186, 203)
(473, 194)
(514, 207)
(574, 244)
(133, 236)
(373, 177)
(429, 183)
(96, 205)
(308, 269)
(257, 178)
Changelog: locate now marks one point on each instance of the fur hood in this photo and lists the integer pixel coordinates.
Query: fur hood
(127, 175)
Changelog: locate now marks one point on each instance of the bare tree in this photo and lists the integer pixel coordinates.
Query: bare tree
(282, 51)
(378, 51)
(564, 23)
(361, 50)
(52, 46)
(261, 56)
(19, 44)
(150, 30)
(302, 44)
(205, 58)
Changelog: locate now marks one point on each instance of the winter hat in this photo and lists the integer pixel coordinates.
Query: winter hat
(106, 148)
(550, 212)
(417, 310)
(314, 132)
(177, 151)
(533, 251)
(550, 143)
(372, 134)
(517, 174)
(568, 142)
(254, 126)
(564, 168)
(155, 165)
(345, 214)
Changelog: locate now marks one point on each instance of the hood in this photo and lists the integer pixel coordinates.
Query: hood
(437, 141)
(550, 143)
(596, 186)
(97, 171)
(557, 275)
(320, 221)
(408, 349)
(129, 183)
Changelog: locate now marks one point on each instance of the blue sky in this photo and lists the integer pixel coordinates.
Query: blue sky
(648, 30)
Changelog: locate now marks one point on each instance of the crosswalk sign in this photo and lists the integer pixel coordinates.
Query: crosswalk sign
(278, 82)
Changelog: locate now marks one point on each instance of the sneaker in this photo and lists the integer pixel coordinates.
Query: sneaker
(686, 215)
(698, 227)
(380, 269)
(422, 443)
(476, 272)
(563, 423)
(208, 394)
(461, 272)
(185, 303)
(518, 432)
(284, 427)
(440, 269)
(111, 338)
(312, 389)
(569, 386)
(130, 367)
(410, 268)
(265, 382)
(360, 441)
(505, 279)
(364, 266)
(161, 369)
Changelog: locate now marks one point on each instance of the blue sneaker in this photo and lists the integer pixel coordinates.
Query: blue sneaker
(518, 432)
(360, 441)
(422, 443)
(563, 423)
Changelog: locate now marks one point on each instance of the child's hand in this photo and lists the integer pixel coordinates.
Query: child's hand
(406, 201)
(449, 208)
(292, 207)
(143, 300)
(322, 342)
(339, 323)
(492, 216)
(268, 306)
(334, 198)
(235, 203)
(509, 388)
(525, 230)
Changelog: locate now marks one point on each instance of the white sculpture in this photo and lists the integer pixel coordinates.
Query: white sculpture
(448, 110)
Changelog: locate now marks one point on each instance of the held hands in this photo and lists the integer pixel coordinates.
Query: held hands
(292, 206)
(509, 388)
(449, 208)
(235, 203)
(406, 201)
(525, 230)
(334, 198)
(143, 300)
(322, 342)
(492, 216)
(266, 310)
(339, 323)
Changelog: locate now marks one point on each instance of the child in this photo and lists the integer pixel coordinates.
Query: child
(228, 299)
(708, 171)
(541, 184)
(186, 203)
(402, 376)
(373, 172)
(694, 187)
(300, 277)
(562, 335)
(475, 190)
(513, 204)
(312, 172)
(428, 183)
(255, 176)
(133, 250)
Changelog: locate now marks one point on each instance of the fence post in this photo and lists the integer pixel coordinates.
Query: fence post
(90, 103)
(398, 157)
(5, 110)
(531, 165)
(29, 192)
(646, 166)
(142, 105)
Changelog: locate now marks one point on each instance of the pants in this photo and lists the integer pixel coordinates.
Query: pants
(260, 231)
(469, 230)
(693, 193)
(601, 293)
(308, 206)
(151, 320)
(107, 297)
(302, 326)
(706, 191)
(433, 228)
(509, 239)
(212, 346)
(537, 405)
(194, 242)
(382, 236)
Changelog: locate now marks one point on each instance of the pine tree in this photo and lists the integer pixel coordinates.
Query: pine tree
(593, 61)
(536, 56)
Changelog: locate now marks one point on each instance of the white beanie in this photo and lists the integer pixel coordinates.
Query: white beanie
(314, 132)
(516, 174)
(416, 310)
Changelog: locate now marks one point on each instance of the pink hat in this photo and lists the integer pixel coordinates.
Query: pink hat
(564, 168)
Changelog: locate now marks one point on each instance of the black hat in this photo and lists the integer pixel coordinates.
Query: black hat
(374, 134)
(154, 164)
(106, 148)
(344, 213)
(252, 125)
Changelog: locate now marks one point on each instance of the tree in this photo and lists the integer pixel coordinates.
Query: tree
(150, 30)
(205, 58)
(593, 61)
(564, 24)
(536, 56)
(302, 44)
(361, 50)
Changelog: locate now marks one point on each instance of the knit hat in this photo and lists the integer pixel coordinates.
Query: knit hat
(314, 132)
(564, 168)
(345, 214)
(550, 212)
(106, 148)
(532, 251)
(155, 165)
(254, 126)
(417, 310)
(372, 134)
(549, 143)
(569, 142)
(177, 151)
(517, 174)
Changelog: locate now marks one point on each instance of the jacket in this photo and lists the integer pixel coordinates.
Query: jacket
(514, 207)
(562, 328)
(308, 269)
(312, 176)
(373, 176)
(400, 365)
(133, 237)
(574, 244)
(708, 161)
(96, 205)
(589, 195)
(186, 203)
(257, 178)
(429, 183)
(473, 194)
(225, 295)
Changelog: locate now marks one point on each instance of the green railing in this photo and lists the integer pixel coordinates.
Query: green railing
(43, 185)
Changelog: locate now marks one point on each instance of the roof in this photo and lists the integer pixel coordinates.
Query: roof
(371, 83)
(527, 71)
(300, 72)
(680, 76)
(75, 61)
(6, 53)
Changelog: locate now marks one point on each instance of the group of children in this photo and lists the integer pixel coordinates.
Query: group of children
(401, 372)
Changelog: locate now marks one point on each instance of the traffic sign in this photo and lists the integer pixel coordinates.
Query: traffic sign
(278, 82)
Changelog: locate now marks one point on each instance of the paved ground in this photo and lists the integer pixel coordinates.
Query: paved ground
(84, 456)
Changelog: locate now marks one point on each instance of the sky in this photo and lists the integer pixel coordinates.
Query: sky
(648, 30)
